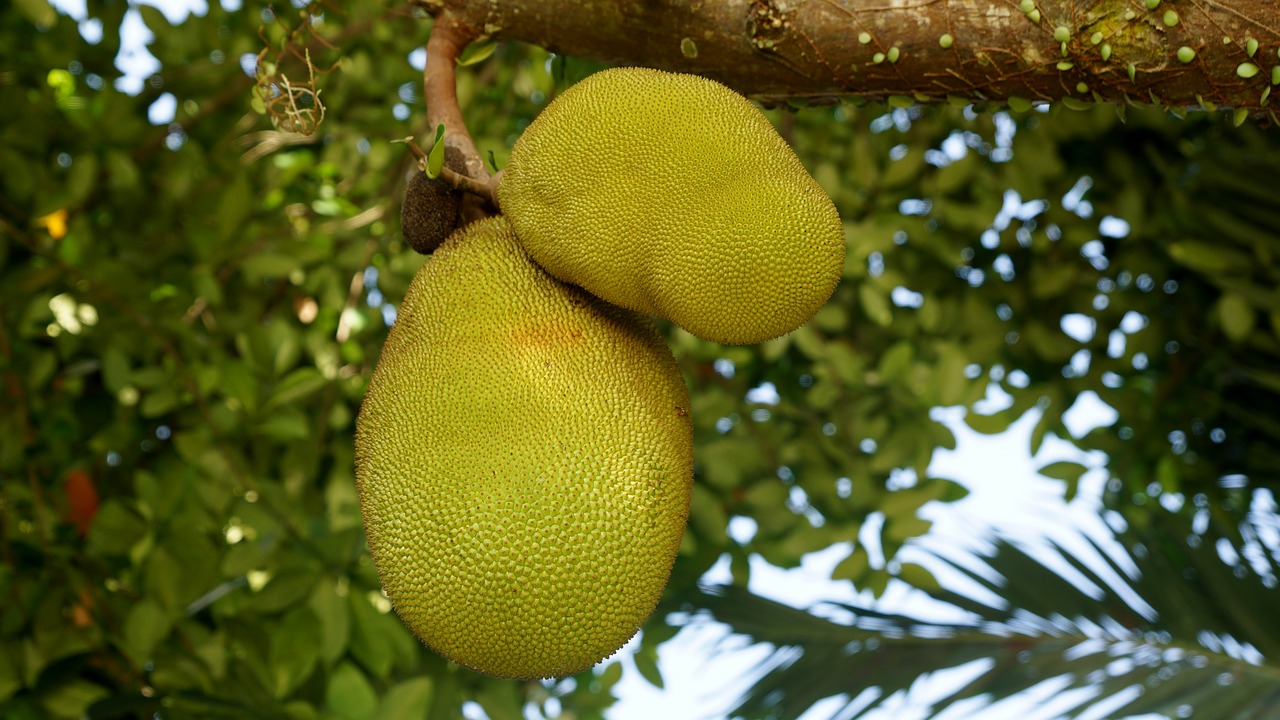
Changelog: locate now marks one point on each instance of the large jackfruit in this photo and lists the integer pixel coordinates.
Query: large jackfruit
(672, 195)
(524, 462)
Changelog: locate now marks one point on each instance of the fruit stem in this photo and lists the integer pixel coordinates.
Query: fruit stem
(439, 83)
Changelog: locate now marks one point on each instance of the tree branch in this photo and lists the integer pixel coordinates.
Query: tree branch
(1183, 54)
(439, 84)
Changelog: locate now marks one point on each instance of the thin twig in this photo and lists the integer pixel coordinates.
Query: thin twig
(484, 189)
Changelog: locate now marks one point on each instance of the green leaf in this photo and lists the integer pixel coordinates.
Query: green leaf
(295, 649)
(149, 377)
(286, 425)
(158, 402)
(239, 384)
(501, 701)
(1236, 316)
(234, 206)
(265, 266)
(957, 174)
(919, 577)
(83, 179)
(907, 502)
(902, 528)
(1052, 280)
(1208, 258)
(707, 514)
(144, 627)
(810, 342)
(1049, 342)
(164, 581)
(72, 699)
(115, 529)
(611, 674)
(210, 648)
(115, 369)
(10, 679)
(435, 156)
(1041, 430)
(286, 589)
(476, 52)
(730, 462)
(39, 12)
(300, 710)
(408, 700)
(295, 386)
(896, 361)
(853, 567)
(334, 616)
(875, 305)
(154, 19)
(849, 365)
(41, 370)
(243, 557)
(159, 497)
(647, 663)
(122, 169)
(989, 424)
(349, 695)
(902, 171)
(205, 285)
(1167, 474)
(368, 642)
(948, 375)
(1266, 378)
(1068, 472)
(768, 494)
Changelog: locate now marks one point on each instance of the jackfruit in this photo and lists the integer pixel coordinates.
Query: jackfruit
(524, 463)
(429, 210)
(672, 195)
(428, 213)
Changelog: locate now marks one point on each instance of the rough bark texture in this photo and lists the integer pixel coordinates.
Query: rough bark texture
(814, 50)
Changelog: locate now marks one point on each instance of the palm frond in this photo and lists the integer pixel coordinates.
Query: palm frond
(1204, 638)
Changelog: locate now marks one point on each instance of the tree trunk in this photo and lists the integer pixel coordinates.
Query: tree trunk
(1178, 54)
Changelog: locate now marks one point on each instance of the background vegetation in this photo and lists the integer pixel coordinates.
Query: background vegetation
(190, 307)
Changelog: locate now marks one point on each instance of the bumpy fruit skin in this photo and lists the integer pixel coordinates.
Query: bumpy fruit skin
(428, 213)
(524, 462)
(672, 195)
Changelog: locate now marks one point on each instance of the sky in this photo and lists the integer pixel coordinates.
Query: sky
(705, 668)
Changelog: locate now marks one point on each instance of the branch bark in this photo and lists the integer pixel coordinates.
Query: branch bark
(818, 50)
(449, 36)
(439, 85)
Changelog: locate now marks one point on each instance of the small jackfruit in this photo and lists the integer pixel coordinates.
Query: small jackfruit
(672, 195)
(430, 208)
(428, 213)
(524, 463)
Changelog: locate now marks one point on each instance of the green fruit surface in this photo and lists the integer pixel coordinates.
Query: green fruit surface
(524, 462)
(672, 195)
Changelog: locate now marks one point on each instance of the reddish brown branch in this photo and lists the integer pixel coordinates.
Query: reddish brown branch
(439, 83)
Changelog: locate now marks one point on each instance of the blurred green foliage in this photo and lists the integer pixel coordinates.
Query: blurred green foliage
(189, 312)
